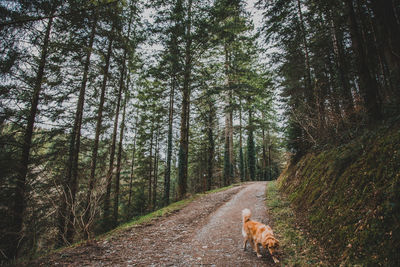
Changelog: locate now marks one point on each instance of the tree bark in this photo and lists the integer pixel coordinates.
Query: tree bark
(119, 158)
(20, 188)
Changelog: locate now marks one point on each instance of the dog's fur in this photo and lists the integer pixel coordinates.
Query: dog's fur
(258, 234)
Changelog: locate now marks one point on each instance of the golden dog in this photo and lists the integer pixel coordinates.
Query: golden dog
(258, 234)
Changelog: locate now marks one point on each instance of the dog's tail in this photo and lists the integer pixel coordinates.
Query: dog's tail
(246, 214)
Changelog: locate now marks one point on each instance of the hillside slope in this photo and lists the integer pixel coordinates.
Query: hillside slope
(351, 197)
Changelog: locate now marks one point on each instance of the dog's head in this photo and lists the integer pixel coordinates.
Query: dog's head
(271, 243)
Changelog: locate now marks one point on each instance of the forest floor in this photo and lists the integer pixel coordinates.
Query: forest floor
(206, 232)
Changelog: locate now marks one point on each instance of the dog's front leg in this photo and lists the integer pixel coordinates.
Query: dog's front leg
(256, 248)
(245, 243)
(254, 245)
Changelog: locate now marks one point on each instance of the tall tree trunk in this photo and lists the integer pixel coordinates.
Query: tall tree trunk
(246, 164)
(368, 84)
(132, 172)
(122, 127)
(269, 156)
(264, 159)
(113, 144)
(231, 155)
(20, 188)
(66, 212)
(227, 165)
(151, 168)
(231, 151)
(174, 50)
(89, 206)
(155, 172)
(211, 146)
(251, 149)
(167, 177)
(241, 160)
(228, 124)
(184, 138)
(119, 158)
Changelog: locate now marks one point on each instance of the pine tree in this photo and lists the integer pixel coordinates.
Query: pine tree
(185, 113)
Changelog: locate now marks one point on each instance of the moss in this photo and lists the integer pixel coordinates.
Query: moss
(351, 195)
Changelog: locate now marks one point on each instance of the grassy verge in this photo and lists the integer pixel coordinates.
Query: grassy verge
(298, 249)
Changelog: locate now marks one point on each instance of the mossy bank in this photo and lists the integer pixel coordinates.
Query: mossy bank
(351, 197)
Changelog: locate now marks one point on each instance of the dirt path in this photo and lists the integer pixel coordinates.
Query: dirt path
(207, 232)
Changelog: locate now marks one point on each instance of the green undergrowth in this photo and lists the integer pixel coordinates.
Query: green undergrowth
(351, 197)
(298, 249)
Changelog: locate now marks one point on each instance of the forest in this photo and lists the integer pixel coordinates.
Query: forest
(112, 109)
